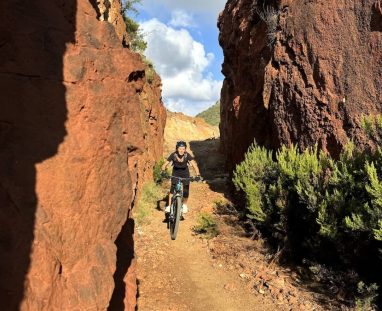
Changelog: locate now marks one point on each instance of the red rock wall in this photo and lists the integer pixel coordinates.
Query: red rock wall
(312, 85)
(80, 129)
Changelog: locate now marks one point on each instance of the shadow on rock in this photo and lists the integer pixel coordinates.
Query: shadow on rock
(211, 164)
(33, 112)
(123, 279)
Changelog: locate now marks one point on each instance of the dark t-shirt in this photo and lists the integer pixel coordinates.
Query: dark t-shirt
(180, 168)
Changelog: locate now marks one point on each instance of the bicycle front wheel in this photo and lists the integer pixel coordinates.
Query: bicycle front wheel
(177, 211)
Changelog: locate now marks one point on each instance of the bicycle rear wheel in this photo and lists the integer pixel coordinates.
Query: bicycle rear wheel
(177, 211)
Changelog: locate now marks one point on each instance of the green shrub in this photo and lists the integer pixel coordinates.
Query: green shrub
(149, 70)
(157, 171)
(316, 206)
(150, 74)
(206, 225)
(269, 185)
(253, 176)
(340, 195)
(366, 296)
(136, 37)
(211, 115)
(372, 125)
(151, 194)
(368, 216)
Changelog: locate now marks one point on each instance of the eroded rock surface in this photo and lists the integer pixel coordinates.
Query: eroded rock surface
(80, 128)
(300, 72)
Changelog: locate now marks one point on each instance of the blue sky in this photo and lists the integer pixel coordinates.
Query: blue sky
(182, 39)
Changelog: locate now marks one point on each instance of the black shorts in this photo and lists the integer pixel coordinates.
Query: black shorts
(186, 188)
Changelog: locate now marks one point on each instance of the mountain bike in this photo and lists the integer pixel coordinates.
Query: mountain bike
(173, 218)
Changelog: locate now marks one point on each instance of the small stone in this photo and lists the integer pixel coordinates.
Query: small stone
(244, 276)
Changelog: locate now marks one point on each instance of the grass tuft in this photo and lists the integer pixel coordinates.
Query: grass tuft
(151, 194)
(206, 225)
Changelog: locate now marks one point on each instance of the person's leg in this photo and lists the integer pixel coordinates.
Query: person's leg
(186, 192)
(167, 209)
(169, 198)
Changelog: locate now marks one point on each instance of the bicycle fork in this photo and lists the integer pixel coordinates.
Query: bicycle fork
(172, 207)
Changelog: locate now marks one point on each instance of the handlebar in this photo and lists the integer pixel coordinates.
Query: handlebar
(196, 178)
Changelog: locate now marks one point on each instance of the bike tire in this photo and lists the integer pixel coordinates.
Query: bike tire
(178, 211)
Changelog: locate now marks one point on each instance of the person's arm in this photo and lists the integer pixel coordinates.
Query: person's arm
(195, 166)
(165, 165)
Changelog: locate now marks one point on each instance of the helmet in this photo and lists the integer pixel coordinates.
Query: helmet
(181, 143)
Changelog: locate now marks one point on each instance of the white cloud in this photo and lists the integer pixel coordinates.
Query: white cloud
(180, 18)
(206, 7)
(182, 63)
(181, 105)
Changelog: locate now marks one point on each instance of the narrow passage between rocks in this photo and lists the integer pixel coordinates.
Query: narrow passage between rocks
(182, 274)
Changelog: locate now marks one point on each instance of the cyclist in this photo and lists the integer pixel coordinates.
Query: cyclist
(181, 160)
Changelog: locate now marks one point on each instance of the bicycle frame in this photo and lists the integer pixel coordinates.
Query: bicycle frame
(178, 192)
(176, 205)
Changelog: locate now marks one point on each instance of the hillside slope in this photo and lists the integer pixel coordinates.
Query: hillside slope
(211, 115)
(183, 127)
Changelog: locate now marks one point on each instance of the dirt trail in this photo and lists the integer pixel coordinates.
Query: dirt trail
(181, 274)
(226, 273)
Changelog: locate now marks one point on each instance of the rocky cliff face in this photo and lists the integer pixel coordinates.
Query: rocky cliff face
(80, 128)
(299, 72)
